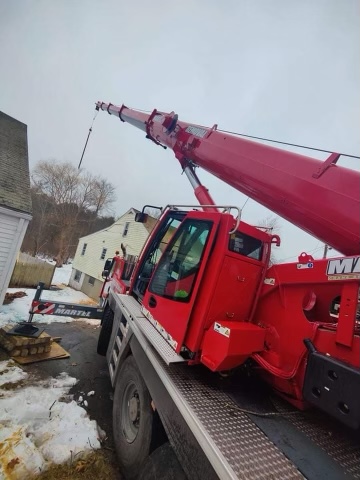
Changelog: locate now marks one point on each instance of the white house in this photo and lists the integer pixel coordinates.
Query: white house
(93, 250)
(15, 200)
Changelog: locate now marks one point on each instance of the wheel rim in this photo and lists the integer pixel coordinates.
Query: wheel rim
(130, 413)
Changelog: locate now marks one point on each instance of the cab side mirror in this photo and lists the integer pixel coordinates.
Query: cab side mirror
(105, 273)
(108, 264)
(107, 268)
(141, 217)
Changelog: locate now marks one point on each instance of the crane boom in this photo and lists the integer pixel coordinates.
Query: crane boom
(319, 197)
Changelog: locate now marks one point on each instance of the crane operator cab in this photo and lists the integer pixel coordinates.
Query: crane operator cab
(198, 279)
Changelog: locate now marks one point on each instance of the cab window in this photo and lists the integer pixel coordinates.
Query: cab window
(155, 251)
(177, 270)
(246, 245)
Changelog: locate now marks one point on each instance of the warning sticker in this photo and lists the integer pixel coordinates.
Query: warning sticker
(354, 276)
(159, 328)
(305, 265)
(222, 330)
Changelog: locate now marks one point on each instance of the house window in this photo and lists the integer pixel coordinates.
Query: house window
(91, 281)
(77, 276)
(84, 249)
(103, 253)
(126, 229)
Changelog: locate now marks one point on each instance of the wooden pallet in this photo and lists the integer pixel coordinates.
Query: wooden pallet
(57, 352)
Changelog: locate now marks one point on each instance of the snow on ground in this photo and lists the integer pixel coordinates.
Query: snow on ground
(41, 424)
(62, 275)
(18, 309)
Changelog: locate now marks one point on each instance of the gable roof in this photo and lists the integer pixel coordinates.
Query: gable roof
(149, 224)
(14, 165)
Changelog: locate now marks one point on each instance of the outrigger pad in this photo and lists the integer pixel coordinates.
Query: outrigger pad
(26, 329)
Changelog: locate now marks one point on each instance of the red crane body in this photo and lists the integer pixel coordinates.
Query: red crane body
(210, 291)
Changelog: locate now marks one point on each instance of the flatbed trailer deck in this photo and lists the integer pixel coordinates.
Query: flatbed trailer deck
(228, 427)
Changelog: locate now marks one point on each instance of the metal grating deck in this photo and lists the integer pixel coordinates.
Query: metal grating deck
(234, 441)
(245, 447)
(338, 442)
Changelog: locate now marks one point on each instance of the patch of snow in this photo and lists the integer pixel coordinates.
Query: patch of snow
(41, 425)
(101, 433)
(62, 275)
(10, 373)
(91, 321)
(15, 445)
(90, 394)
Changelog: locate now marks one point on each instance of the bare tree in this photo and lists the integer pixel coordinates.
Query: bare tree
(153, 212)
(72, 192)
(102, 195)
(37, 230)
(271, 224)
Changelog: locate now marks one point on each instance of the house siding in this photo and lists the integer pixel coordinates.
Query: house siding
(76, 284)
(8, 228)
(92, 291)
(111, 239)
(13, 226)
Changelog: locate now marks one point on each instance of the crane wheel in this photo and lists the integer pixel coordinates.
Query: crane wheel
(161, 464)
(105, 332)
(132, 419)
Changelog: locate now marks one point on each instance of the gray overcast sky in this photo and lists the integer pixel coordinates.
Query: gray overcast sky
(284, 69)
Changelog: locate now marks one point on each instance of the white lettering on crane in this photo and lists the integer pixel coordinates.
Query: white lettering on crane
(343, 268)
(72, 313)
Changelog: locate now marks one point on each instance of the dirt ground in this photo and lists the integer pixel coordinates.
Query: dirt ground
(80, 340)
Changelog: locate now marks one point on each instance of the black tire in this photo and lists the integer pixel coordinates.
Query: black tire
(132, 419)
(105, 332)
(162, 464)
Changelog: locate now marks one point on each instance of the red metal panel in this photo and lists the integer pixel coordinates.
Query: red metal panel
(347, 315)
(227, 344)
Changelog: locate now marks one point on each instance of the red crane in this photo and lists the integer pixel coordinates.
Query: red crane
(212, 294)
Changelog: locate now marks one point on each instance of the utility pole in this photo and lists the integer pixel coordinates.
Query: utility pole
(326, 249)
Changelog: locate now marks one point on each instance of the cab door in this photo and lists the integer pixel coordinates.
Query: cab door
(172, 291)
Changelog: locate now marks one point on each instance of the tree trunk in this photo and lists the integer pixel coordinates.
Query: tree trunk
(61, 249)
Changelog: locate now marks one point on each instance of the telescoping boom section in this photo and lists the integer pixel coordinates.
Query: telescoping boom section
(205, 283)
(321, 198)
